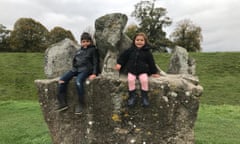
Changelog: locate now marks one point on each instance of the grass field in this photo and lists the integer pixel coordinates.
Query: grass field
(17, 74)
(21, 121)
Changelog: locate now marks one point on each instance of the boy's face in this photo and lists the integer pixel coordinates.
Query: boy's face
(139, 41)
(85, 43)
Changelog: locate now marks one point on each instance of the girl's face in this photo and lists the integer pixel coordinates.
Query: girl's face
(85, 43)
(139, 41)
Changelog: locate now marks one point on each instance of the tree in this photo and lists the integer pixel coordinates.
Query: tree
(29, 36)
(58, 34)
(4, 38)
(187, 35)
(131, 30)
(151, 21)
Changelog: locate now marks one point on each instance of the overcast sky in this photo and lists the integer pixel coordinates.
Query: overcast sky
(219, 19)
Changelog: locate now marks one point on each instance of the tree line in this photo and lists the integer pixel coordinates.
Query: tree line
(29, 35)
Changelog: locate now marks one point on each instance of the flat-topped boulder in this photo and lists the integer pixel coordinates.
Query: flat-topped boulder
(174, 103)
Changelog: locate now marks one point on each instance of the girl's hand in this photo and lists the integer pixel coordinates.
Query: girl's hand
(117, 67)
(155, 75)
(92, 76)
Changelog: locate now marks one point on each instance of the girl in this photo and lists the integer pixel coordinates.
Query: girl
(85, 65)
(139, 64)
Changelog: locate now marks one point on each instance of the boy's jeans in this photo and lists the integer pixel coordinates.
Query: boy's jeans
(80, 79)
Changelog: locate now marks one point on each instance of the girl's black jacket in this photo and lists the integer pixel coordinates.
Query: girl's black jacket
(86, 59)
(138, 60)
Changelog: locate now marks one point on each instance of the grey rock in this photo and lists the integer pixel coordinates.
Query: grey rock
(110, 40)
(174, 98)
(181, 63)
(58, 58)
(174, 104)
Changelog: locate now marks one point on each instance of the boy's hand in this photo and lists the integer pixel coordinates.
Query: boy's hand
(117, 67)
(92, 76)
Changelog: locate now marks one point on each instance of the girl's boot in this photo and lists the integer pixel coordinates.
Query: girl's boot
(132, 98)
(145, 101)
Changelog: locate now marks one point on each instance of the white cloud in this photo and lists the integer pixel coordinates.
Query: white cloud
(219, 19)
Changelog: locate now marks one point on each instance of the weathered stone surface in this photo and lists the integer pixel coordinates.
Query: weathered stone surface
(181, 63)
(111, 40)
(106, 119)
(58, 58)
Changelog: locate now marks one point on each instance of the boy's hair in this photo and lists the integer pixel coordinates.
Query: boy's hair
(86, 36)
(143, 35)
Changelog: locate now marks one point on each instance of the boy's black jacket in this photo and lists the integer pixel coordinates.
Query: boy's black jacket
(138, 60)
(86, 59)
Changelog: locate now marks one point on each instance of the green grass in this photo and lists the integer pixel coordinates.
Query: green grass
(218, 125)
(17, 74)
(21, 120)
(219, 74)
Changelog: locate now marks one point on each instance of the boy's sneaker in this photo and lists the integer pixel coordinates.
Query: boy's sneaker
(62, 108)
(78, 109)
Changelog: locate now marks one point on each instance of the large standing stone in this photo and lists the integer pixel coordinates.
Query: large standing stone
(181, 63)
(59, 57)
(111, 40)
(170, 119)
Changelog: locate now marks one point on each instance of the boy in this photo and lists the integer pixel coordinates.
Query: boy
(85, 65)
